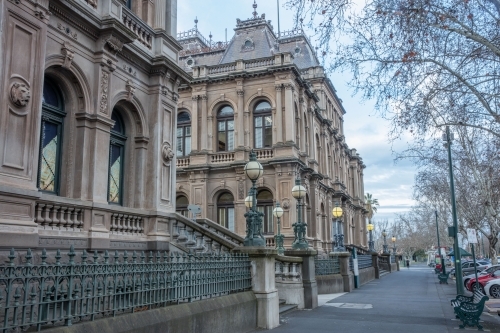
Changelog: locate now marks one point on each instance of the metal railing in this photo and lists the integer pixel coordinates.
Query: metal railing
(88, 288)
(364, 261)
(326, 266)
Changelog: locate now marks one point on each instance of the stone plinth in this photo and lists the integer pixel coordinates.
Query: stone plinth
(308, 275)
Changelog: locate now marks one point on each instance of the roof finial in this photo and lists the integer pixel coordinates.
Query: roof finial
(196, 22)
(254, 9)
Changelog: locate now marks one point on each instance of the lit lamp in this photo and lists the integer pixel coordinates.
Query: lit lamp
(384, 234)
(393, 239)
(299, 227)
(253, 170)
(370, 242)
(339, 232)
(278, 239)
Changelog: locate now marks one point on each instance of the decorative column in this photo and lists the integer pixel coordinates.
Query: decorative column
(160, 14)
(278, 123)
(194, 124)
(312, 141)
(289, 114)
(204, 126)
(239, 129)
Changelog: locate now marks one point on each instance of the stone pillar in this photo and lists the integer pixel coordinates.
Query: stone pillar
(387, 256)
(375, 265)
(289, 114)
(171, 18)
(347, 276)
(312, 141)
(239, 128)
(308, 276)
(263, 284)
(278, 123)
(204, 125)
(194, 124)
(397, 262)
(160, 14)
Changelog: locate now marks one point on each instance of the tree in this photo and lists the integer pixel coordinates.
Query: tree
(428, 63)
(370, 205)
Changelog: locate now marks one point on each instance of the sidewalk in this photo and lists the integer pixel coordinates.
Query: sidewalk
(409, 301)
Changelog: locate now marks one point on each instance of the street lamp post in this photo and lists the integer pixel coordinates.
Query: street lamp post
(278, 213)
(384, 234)
(254, 237)
(443, 267)
(299, 227)
(393, 239)
(371, 242)
(448, 137)
(339, 233)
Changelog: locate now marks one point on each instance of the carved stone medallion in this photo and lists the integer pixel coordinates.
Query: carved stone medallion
(20, 94)
(166, 152)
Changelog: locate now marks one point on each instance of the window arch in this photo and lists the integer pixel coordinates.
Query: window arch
(263, 123)
(183, 134)
(49, 159)
(225, 129)
(225, 210)
(265, 205)
(181, 205)
(116, 159)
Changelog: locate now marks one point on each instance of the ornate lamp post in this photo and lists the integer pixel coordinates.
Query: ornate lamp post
(278, 239)
(371, 242)
(299, 227)
(339, 232)
(384, 234)
(393, 239)
(254, 237)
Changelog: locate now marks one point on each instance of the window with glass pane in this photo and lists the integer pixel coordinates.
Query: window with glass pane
(265, 205)
(129, 4)
(116, 160)
(225, 129)
(183, 134)
(181, 204)
(263, 123)
(50, 138)
(225, 211)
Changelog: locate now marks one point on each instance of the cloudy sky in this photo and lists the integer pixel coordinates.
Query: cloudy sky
(390, 183)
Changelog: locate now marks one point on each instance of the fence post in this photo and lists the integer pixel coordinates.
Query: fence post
(308, 276)
(347, 276)
(263, 284)
(375, 265)
(387, 257)
(397, 262)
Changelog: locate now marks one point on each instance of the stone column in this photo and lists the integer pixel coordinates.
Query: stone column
(263, 284)
(160, 14)
(204, 125)
(375, 265)
(239, 128)
(308, 276)
(289, 114)
(278, 123)
(387, 257)
(171, 18)
(312, 141)
(194, 124)
(347, 276)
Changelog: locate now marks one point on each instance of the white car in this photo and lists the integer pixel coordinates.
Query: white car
(492, 288)
(489, 270)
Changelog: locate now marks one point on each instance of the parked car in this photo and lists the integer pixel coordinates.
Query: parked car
(481, 273)
(468, 267)
(492, 288)
(482, 280)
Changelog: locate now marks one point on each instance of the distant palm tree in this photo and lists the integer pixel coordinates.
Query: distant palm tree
(371, 205)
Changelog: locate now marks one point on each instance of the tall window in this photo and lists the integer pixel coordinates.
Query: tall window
(183, 134)
(51, 138)
(225, 210)
(129, 4)
(181, 205)
(265, 205)
(225, 129)
(116, 160)
(263, 123)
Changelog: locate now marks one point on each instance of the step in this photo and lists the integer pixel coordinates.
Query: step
(287, 308)
(382, 273)
(282, 301)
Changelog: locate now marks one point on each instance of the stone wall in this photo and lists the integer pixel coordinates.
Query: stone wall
(366, 275)
(330, 284)
(233, 313)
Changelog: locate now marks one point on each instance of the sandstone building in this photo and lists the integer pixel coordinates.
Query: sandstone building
(268, 92)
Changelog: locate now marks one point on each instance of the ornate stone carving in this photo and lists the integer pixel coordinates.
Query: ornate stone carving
(167, 153)
(130, 88)
(68, 52)
(20, 94)
(285, 203)
(240, 92)
(278, 87)
(114, 44)
(241, 190)
(93, 3)
(103, 105)
(129, 70)
(67, 30)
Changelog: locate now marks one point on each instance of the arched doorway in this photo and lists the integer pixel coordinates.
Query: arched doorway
(181, 205)
(225, 210)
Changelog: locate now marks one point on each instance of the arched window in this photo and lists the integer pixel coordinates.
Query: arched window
(183, 134)
(225, 128)
(116, 160)
(225, 210)
(265, 205)
(49, 160)
(263, 125)
(181, 205)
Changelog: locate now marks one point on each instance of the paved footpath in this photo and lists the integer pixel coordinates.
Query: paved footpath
(408, 301)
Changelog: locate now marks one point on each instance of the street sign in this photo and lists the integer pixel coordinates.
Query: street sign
(471, 236)
(443, 251)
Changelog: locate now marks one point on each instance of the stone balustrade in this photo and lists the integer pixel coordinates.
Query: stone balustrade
(288, 269)
(221, 231)
(182, 162)
(263, 154)
(270, 241)
(222, 157)
(259, 63)
(143, 32)
(222, 68)
(56, 216)
(126, 224)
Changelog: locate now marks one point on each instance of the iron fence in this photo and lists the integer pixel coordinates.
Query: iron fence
(364, 261)
(327, 266)
(46, 294)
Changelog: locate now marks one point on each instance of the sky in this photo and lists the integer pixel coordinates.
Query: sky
(388, 182)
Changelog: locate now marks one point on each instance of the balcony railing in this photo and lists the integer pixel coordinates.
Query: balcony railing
(222, 68)
(222, 158)
(259, 63)
(182, 162)
(263, 154)
(59, 216)
(143, 32)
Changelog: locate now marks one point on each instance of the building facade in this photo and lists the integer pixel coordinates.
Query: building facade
(88, 120)
(265, 92)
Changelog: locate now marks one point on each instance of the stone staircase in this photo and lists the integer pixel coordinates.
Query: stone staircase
(383, 272)
(285, 308)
